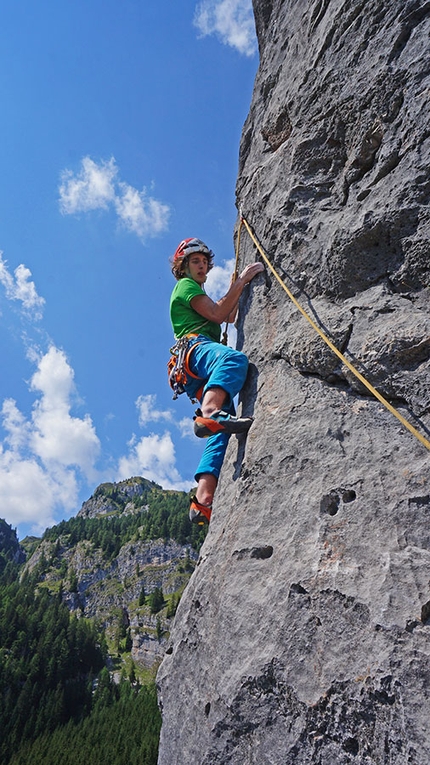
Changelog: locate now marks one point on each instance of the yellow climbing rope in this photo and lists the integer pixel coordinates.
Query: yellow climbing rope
(328, 342)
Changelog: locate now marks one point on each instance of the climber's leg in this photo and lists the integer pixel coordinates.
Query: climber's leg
(201, 503)
(207, 475)
(223, 372)
(212, 458)
(217, 366)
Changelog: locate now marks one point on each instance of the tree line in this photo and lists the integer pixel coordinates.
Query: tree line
(123, 728)
(55, 689)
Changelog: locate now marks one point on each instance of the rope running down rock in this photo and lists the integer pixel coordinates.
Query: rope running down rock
(328, 342)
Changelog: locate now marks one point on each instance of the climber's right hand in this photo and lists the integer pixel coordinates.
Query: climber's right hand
(250, 271)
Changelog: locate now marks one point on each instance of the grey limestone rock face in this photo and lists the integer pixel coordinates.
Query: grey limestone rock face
(304, 634)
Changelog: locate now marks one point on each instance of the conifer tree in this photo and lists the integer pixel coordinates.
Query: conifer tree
(156, 600)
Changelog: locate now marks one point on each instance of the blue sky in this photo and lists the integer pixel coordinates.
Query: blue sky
(119, 137)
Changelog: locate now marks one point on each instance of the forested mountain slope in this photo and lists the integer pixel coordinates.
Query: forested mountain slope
(84, 622)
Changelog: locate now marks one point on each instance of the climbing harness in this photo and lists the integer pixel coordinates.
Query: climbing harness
(328, 342)
(178, 366)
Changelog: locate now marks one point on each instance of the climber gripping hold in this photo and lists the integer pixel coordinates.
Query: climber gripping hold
(214, 373)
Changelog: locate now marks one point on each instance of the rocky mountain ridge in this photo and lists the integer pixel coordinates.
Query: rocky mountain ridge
(107, 566)
(304, 634)
(10, 549)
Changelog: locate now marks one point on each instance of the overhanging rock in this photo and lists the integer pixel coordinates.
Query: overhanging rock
(304, 634)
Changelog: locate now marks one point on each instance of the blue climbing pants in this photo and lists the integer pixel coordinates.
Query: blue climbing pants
(217, 366)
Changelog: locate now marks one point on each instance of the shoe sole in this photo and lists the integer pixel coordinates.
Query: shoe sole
(205, 426)
(197, 516)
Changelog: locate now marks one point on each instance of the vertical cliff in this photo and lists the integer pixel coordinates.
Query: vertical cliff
(304, 634)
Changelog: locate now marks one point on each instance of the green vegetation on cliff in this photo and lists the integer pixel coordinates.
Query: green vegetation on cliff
(154, 514)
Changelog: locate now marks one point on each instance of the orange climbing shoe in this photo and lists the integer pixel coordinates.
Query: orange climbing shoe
(220, 422)
(200, 514)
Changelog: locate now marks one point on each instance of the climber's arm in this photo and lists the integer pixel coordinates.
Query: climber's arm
(222, 309)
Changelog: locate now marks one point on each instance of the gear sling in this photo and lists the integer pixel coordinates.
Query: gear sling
(178, 366)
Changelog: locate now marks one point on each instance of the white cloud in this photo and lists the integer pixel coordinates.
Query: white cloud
(148, 412)
(146, 406)
(15, 425)
(93, 188)
(19, 287)
(41, 456)
(139, 213)
(29, 494)
(44, 457)
(97, 186)
(231, 20)
(154, 457)
(219, 279)
(186, 427)
(56, 435)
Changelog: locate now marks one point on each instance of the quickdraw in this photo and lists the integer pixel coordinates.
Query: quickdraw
(178, 366)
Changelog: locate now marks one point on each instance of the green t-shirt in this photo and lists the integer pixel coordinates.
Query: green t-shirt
(184, 318)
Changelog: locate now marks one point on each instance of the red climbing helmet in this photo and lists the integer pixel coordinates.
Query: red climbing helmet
(189, 246)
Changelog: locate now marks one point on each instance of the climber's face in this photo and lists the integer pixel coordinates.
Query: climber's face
(197, 267)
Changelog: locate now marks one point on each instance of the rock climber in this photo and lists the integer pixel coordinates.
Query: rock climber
(214, 373)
